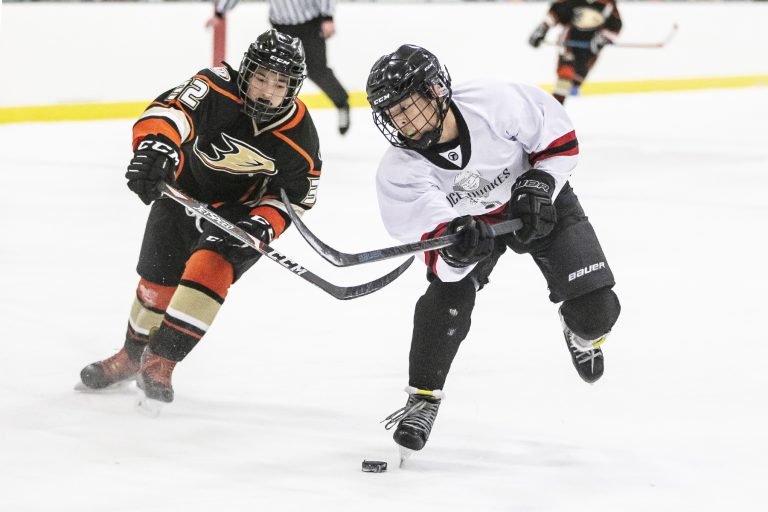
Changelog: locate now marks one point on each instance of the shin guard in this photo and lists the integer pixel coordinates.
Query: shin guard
(441, 322)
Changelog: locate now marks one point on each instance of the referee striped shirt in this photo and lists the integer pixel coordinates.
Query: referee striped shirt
(295, 12)
(288, 12)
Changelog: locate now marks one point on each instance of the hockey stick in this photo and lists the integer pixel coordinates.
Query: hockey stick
(343, 259)
(340, 292)
(618, 44)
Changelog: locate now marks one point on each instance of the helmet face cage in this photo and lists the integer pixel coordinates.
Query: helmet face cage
(398, 85)
(412, 113)
(271, 74)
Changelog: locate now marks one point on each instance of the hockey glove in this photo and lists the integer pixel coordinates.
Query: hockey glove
(475, 244)
(598, 42)
(538, 35)
(531, 202)
(156, 159)
(230, 247)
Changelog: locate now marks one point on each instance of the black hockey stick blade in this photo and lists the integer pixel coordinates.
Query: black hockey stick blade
(340, 292)
(343, 259)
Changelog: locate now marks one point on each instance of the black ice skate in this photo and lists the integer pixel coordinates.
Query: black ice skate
(121, 367)
(154, 378)
(344, 119)
(414, 421)
(586, 354)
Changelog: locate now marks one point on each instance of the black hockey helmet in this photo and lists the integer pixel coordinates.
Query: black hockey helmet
(396, 77)
(275, 52)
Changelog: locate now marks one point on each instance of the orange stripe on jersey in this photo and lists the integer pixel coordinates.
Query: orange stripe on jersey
(272, 216)
(219, 89)
(302, 109)
(299, 150)
(211, 270)
(296, 119)
(153, 295)
(153, 126)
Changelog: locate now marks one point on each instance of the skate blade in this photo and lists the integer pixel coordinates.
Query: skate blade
(149, 407)
(405, 454)
(117, 388)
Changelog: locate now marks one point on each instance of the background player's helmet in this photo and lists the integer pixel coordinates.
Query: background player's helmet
(276, 52)
(394, 77)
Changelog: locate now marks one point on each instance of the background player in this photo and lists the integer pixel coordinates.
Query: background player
(460, 160)
(232, 139)
(312, 22)
(589, 25)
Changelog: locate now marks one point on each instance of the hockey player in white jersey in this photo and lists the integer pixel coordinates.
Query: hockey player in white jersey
(463, 158)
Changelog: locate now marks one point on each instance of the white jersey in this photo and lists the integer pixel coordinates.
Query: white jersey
(505, 129)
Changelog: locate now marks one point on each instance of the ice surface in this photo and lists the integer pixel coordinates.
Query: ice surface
(280, 403)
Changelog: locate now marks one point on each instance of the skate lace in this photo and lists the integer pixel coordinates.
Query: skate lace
(584, 356)
(418, 413)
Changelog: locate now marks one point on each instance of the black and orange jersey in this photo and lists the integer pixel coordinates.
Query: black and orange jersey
(226, 157)
(583, 18)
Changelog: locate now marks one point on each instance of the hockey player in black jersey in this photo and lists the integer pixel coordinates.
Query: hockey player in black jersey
(589, 25)
(463, 158)
(230, 138)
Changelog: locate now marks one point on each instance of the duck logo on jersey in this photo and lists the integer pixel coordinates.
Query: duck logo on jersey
(236, 157)
(469, 186)
(587, 18)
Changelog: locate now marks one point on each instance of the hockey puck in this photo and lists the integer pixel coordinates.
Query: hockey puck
(374, 466)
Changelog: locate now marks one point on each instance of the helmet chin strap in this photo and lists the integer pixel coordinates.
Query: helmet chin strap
(427, 140)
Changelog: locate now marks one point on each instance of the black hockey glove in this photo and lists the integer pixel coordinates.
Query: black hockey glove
(598, 42)
(475, 244)
(531, 202)
(538, 35)
(230, 247)
(156, 159)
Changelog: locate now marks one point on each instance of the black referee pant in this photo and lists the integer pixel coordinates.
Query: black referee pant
(317, 66)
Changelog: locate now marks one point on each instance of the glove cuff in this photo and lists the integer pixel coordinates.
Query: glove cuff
(453, 262)
(265, 225)
(159, 137)
(274, 217)
(536, 181)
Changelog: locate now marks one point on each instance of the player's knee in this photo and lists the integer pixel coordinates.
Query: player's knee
(458, 294)
(447, 307)
(211, 270)
(592, 315)
(154, 295)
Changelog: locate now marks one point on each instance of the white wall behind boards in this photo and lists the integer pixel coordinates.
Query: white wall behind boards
(79, 53)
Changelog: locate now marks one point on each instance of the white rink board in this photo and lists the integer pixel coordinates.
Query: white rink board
(82, 53)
